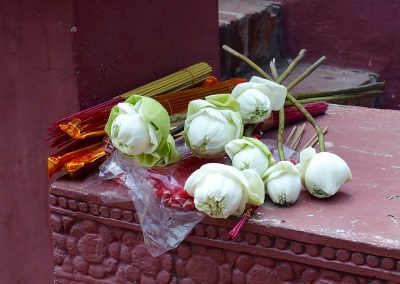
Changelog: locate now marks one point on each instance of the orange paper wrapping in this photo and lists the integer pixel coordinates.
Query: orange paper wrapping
(74, 129)
(75, 160)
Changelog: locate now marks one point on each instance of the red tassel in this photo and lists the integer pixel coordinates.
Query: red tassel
(236, 230)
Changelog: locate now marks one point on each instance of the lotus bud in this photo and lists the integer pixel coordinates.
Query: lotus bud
(283, 183)
(139, 128)
(323, 173)
(255, 105)
(220, 190)
(211, 124)
(133, 136)
(277, 93)
(249, 153)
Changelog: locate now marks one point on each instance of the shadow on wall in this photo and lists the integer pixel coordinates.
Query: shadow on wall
(358, 34)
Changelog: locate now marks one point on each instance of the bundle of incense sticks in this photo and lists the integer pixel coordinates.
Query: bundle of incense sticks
(296, 134)
(292, 114)
(314, 139)
(175, 102)
(74, 154)
(178, 102)
(93, 119)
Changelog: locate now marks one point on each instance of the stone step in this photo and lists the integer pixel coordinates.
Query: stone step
(329, 78)
(325, 78)
(253, 28)
(250, 27)
(333, 78)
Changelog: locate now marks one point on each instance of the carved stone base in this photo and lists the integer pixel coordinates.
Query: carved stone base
(92, 248)
(91, 252)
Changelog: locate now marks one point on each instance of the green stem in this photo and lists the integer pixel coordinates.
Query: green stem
(359, 89)
(279, 80)
(248, 61)
(301, 108)
(289, 96)
(266, 76)
(274, 72)
(281, 128)
(337, 98)
(306, 73)
(291, 66)
(309, 117)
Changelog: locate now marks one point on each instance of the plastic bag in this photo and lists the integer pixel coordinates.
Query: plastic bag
(290, 154)
(164, 227)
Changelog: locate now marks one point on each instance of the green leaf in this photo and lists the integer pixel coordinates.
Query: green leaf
(224, 101)
(113, 114)
(262, 147)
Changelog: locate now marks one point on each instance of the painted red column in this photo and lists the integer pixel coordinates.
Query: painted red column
(58, 56)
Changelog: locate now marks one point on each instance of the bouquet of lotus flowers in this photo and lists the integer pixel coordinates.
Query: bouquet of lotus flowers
(215, 161)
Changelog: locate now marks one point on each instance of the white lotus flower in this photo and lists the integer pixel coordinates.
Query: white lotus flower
(283, 183)
(278, 92)
(220, 190)
(131, 134)
(255, 105)
(323, 173)
(139, 128)
(249, 153)
(209, 126)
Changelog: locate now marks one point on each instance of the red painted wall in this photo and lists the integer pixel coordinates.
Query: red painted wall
(56, 56)
(121, 44)
(357, 33)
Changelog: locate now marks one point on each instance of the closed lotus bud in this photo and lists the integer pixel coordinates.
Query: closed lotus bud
(323, 173)
(139, 128)
(131, 134)
(220, 190)
(211, 124)
(283, 183)
(249, 153)
(255, 105)
(278, 92)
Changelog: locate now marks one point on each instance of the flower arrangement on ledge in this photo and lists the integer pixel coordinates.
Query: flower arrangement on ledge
(236, 170)
(214, 127)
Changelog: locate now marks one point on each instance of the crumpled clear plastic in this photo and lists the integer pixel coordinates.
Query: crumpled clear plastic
(290, 154)
(163, 227)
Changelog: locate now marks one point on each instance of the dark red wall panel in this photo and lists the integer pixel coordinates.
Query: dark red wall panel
(58, 56)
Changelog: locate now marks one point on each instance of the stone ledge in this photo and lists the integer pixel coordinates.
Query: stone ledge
(341, 235)
(322, 256)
